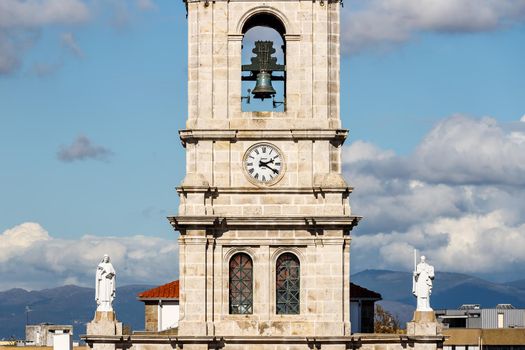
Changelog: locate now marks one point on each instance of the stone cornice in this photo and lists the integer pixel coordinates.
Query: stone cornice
(355, 339)
(281, 242)
(213, 1)
(307, 222)
(262, 190)
(193, 135)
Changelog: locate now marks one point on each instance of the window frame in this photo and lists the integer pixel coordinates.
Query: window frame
(242, 298)
(292, 307)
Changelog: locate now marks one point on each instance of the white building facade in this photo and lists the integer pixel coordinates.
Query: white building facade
(161, 307)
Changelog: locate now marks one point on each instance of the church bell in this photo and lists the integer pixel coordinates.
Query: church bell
(263, 86)
(261, 68)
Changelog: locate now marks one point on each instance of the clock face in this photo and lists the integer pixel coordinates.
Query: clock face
(263, 163)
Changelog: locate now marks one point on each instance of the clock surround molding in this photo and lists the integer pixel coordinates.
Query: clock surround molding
(275, 180)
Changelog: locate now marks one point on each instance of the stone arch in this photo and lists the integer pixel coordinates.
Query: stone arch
(252, 17)
(234, 250)
(295, 251)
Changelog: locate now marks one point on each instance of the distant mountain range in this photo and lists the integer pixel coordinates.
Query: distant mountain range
(76, 305)
(64, 305)
(450, 291)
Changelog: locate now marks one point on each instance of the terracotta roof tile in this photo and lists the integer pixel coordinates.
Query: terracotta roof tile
(358, 292)
(166, 291)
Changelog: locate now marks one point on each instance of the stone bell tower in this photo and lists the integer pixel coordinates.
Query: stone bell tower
(264, 218)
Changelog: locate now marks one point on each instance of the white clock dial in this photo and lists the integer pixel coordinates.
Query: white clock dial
(263, 163)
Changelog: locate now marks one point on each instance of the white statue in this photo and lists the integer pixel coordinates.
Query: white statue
(105, 285)
(422, 284)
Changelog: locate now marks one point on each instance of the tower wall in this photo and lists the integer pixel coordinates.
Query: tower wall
(324, 297)
(215, 33)
(222, 210)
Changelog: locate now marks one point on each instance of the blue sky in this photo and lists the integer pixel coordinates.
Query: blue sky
(92, 97)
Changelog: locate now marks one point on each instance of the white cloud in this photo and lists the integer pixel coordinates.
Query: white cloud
(32, 258)
(120, 13)
(472, 243)
(458, 150)
(361, 150)
(69, 42)
(13, 44)
(82, 149)
(146, 5)
(459, 198)
(9, 60)
(22, 21)
(464, 150)
(20, 238)
(42, 69)
(385, 22)
(37, 13)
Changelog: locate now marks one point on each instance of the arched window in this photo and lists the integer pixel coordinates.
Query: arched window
(264, 61)
(287, 284)
(241, 284)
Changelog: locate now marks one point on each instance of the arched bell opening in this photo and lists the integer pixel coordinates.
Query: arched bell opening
(263, 64)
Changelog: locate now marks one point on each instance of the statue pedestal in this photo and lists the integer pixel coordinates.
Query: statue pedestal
(104, 323)
(424, 323)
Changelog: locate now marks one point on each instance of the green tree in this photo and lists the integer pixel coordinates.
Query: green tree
(385, 322)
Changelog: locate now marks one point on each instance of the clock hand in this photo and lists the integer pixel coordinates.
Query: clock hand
(261, 163)
(272, 169)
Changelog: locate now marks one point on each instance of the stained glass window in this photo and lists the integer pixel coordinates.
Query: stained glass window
(241, 284)
(287, 284)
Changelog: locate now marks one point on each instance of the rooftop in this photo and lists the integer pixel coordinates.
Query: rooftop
(502, 336)
(166, 291)
(358, 292)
